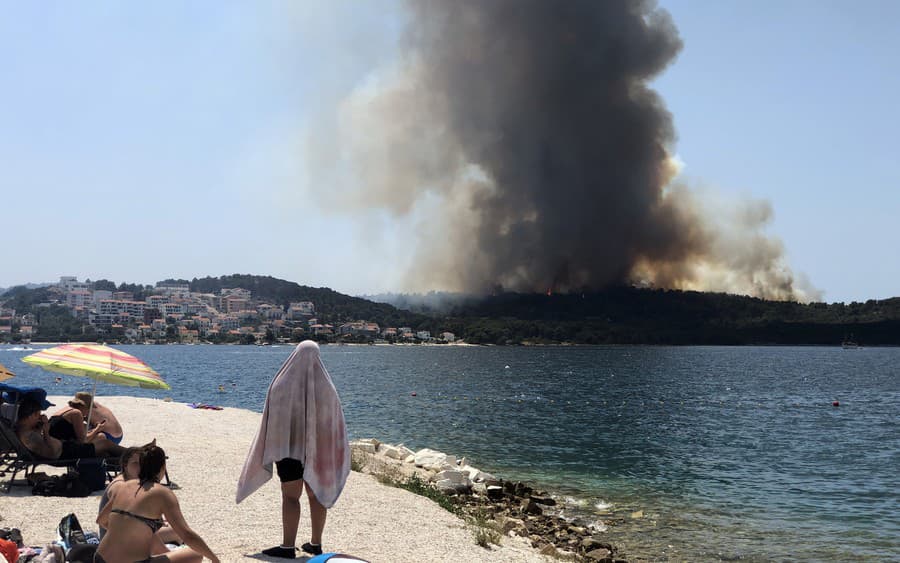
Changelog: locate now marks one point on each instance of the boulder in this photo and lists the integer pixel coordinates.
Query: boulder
(508, 525)
(494, 492)
(548, 549)
(531, 507)
(522, 490)
(434, 460)
(457, 477)
(368, 445)
(389, 451)
(545, 500)
(599, 555)
(590, 544)
(449, 487)
(476, 475)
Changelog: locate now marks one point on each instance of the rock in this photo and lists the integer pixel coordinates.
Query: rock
(599, 555)
(547, 501)
(434, 460)
(494, 492)
(511, 524)
(390, 451)
(590, 544)
(411, 458)
(548, 549)
(457, 477)
(523, 490)
(368, 445)
(446, 486)
(531, 507)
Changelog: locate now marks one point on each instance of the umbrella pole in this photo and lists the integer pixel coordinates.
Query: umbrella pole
(91, 408)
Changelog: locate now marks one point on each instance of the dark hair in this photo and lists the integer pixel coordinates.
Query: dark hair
(27, 407)
(153, 459)
(126, 455)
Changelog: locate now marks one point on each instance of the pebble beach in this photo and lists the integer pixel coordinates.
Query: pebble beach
(206, 450)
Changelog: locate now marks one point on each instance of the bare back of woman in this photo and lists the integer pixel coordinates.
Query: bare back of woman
(134, 514)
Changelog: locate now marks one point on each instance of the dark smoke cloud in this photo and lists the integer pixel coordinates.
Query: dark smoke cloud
(526, 134)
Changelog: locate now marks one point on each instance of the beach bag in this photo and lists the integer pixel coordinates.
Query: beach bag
(92, 472)
(70, 532)
(67, 485)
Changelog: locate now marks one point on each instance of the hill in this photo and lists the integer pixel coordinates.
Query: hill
(654, 316)
(617, 315)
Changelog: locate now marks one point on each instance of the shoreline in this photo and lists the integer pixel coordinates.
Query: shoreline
(498, 507)
(206, 450)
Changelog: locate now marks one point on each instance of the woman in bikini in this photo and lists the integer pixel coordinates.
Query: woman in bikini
(133, 516)
(131, 468)
(67, 425)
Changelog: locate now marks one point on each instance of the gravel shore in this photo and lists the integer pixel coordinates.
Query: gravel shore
(206, 450)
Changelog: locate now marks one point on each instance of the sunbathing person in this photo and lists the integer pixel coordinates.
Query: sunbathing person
(112, 429)
(134, 514)
(68, 423)
(33, 429)
(131, 466)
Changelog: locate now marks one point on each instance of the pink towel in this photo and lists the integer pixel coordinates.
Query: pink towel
(302, 420)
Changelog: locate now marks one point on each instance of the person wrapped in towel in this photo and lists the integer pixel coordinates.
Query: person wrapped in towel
(304, 436)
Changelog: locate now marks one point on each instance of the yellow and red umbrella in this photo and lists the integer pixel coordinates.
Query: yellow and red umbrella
(100, 363)
(5, 373)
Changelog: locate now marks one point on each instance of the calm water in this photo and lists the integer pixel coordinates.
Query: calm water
(728, 453)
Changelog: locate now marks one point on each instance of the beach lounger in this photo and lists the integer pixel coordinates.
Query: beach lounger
(16, 458)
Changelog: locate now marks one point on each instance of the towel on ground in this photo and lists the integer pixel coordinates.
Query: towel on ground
(302, 420)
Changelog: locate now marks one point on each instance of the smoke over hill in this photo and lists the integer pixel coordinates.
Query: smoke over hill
(526, 137)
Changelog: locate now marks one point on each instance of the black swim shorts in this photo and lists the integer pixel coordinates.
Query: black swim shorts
(74, 450)
(289, 469)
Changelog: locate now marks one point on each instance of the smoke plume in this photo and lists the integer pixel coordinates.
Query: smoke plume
(525, 137)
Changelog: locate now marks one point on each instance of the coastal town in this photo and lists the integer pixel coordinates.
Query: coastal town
(171, 313)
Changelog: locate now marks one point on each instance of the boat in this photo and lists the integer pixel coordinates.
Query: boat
(849, 343)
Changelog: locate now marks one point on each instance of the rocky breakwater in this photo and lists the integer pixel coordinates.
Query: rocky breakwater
(506, 507)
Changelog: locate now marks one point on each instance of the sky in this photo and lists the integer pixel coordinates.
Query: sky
(142, 141)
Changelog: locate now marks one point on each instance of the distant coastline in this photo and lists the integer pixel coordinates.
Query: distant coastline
(250, 309)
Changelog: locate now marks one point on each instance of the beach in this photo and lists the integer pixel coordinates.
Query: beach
(206, 450)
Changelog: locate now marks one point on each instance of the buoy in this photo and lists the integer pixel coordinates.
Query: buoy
(836, 404)
(413, 393)
(506, 367)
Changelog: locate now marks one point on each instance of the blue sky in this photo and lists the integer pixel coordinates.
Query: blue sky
(142, 141)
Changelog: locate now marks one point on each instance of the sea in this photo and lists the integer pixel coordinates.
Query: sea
(671, 453)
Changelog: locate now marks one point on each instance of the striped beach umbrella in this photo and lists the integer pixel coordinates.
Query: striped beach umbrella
(100, 363)
(5, 373)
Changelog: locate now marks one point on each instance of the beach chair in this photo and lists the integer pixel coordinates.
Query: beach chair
(16, 458)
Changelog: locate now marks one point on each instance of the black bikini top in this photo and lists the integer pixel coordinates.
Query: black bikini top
(154, 523)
